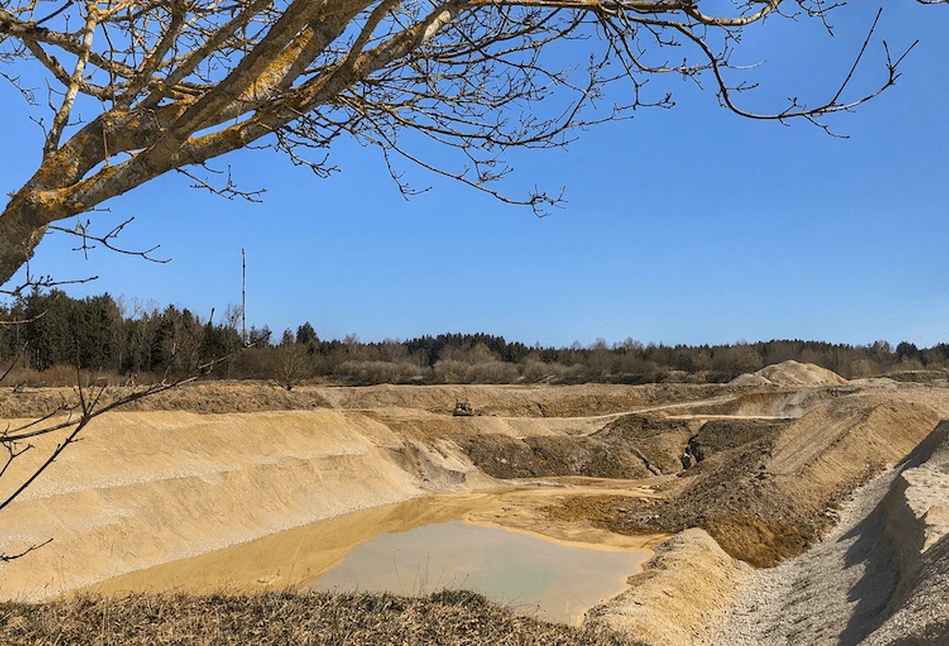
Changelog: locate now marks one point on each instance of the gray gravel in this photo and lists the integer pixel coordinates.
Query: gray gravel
(849, 589)
(833, 594)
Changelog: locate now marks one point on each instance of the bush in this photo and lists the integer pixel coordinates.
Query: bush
(65, 376)
(451, 371)
(364, 373)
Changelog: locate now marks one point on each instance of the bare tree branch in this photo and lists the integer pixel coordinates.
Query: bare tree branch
(6, 558)
(172, 85)
(32, 282)
(81, 230)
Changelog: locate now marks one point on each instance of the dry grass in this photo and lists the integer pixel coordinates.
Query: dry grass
(449, 617)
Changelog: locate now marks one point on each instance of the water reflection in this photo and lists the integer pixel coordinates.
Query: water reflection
(534, 576)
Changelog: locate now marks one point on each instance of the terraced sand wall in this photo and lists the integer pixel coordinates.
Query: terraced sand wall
(144, 488)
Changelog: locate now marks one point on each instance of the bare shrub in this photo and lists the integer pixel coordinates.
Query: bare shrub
(535, 371)
(293, 364)
(379, 372)
(64, 376)
(494, 372)
(451, 371)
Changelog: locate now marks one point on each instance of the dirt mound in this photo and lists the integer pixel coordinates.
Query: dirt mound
(631, 447)
(878, 578)
(719, 435)
(501, 456)
(659, 440)
(922, 615)
(790, 373)
(679, 597)
(916, 511)
(769, 498)
(750, 379)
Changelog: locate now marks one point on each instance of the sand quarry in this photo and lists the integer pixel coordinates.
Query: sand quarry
(788, 507)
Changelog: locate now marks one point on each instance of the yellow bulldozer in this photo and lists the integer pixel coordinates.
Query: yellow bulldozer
(463, 409)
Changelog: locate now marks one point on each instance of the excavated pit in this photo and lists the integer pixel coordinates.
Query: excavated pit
(739, 473)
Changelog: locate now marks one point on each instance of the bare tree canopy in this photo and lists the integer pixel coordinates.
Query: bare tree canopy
(173, 84)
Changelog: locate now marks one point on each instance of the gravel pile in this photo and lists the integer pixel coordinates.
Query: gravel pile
(829, 595)
(866, 582)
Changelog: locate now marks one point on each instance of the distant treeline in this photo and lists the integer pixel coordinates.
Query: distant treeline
(48, 333)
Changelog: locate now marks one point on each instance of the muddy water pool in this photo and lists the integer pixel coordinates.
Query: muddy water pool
(539, 566)
(545, 579)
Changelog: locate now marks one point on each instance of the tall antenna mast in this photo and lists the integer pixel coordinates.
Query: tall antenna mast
(243, 296)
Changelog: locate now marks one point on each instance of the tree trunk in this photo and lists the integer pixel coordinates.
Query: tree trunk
(22, 226)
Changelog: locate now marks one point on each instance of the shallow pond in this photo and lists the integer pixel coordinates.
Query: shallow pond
(425, 540)
(533, 576)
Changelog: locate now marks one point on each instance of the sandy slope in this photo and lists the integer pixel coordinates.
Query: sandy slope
(144, 488)
(681, 595)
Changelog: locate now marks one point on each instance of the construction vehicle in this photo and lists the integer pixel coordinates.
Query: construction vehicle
(463, 409)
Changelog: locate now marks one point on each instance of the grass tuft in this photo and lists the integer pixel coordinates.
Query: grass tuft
(452, 617)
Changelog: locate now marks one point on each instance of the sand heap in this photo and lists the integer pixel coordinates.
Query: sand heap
(790, 373)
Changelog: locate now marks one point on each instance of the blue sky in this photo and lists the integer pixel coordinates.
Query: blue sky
(684, 226)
